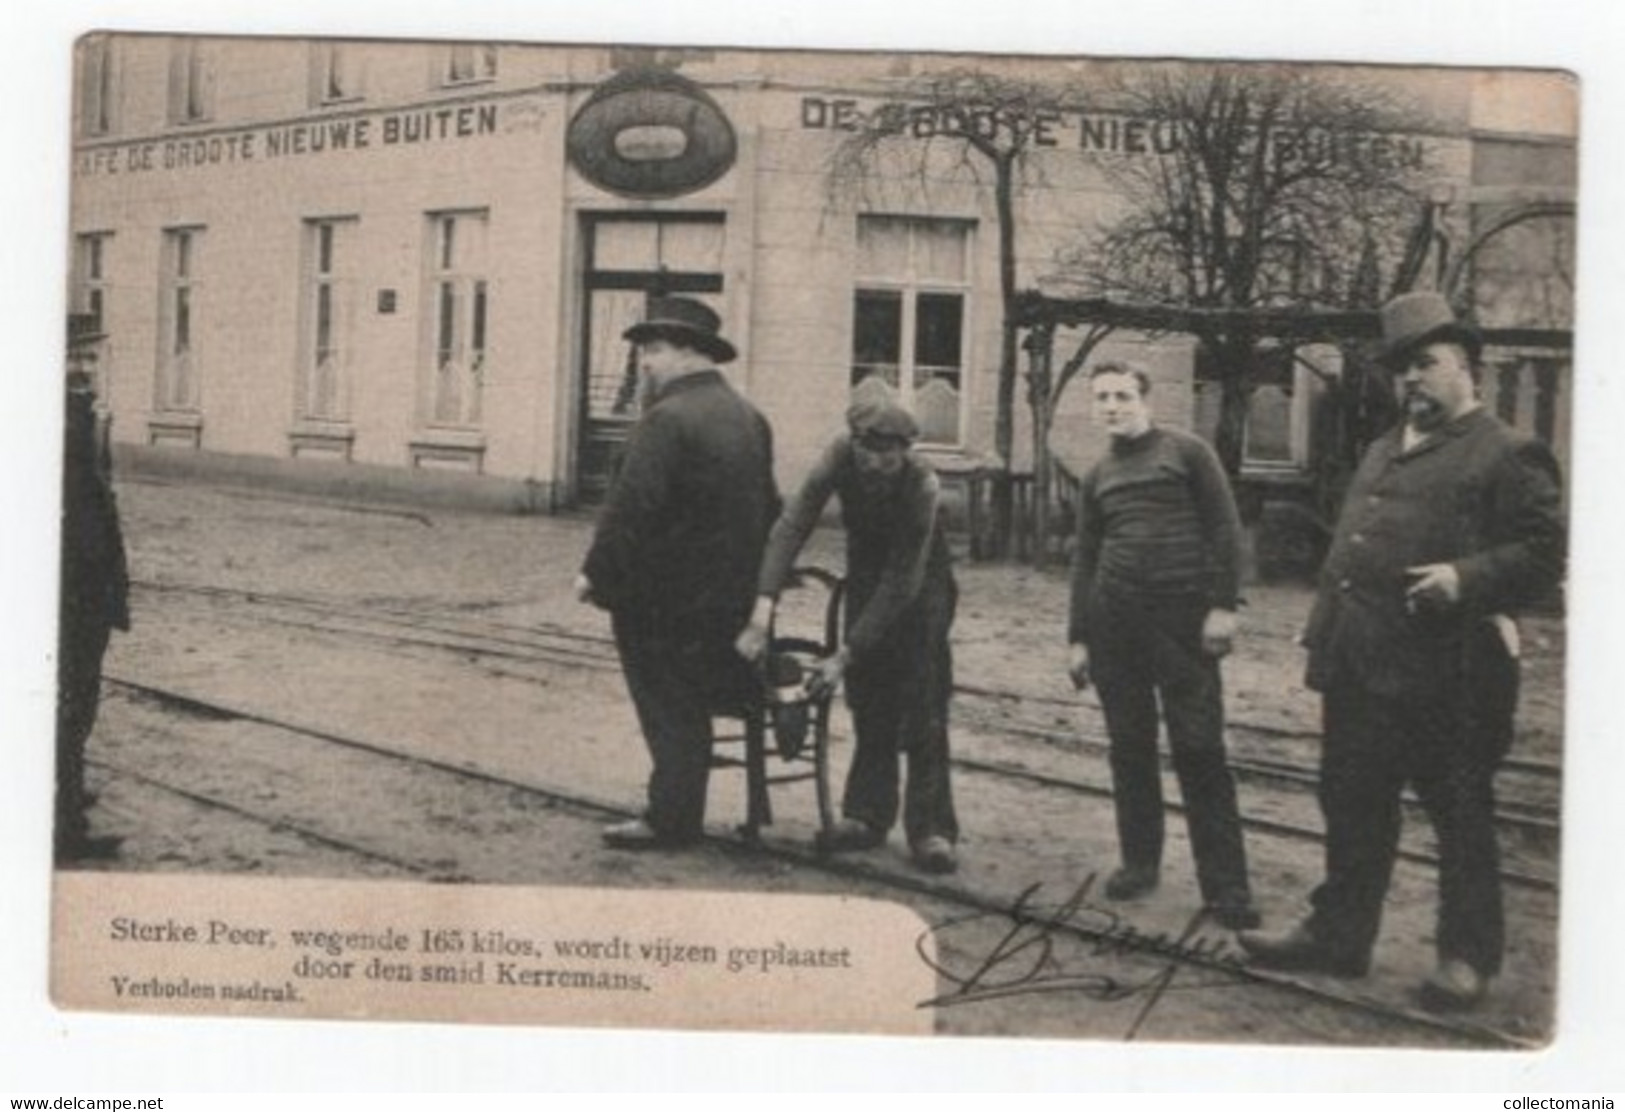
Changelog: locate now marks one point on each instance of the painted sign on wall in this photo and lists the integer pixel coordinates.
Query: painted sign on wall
(650, 133)
(450, 123)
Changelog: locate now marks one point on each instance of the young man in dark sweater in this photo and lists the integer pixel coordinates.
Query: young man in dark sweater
(1154, 592)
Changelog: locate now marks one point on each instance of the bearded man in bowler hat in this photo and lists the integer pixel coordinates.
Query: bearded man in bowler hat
(1452, 522)
(674, 557)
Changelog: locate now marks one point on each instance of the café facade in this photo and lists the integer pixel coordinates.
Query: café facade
(410, 264)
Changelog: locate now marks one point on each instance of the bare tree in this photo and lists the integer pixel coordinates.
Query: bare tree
(976, 124)
(1269, 188)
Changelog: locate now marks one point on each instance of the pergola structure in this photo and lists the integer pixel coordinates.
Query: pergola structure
(1040, 316)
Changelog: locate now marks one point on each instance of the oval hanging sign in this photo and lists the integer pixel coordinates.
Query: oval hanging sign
(650, 134)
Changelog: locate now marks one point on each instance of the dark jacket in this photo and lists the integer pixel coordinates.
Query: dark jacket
(95, 579)
(1473, 494)
(680, 537)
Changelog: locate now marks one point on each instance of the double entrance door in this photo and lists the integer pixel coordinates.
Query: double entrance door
(631, 258)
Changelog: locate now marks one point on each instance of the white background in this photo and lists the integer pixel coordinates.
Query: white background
(44, 1052)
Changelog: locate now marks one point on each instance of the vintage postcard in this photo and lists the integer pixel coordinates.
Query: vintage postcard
(1182, 448)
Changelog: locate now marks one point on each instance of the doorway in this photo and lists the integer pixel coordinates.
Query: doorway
(630, 258)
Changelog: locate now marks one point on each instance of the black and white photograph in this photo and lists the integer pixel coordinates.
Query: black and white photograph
(799, 537)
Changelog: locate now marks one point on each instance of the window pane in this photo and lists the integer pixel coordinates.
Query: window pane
(1269, 426)
(324, 320)
(936, 406)
(183, 320)
(472, 228)
(612, 373)
(938, 325)
(196, 109)
(691, 245)
(335, 72)
(446, 337)
(96, 87)
(448, 242)
(882, 247)
(877, 334)
(104, 88)
(466, 62)
(626, 245)
(939, 250)
(462, 63)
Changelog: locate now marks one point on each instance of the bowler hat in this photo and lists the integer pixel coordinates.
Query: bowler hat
(1424, 317)
(684, 321)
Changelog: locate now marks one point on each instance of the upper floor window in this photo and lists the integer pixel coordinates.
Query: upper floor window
(191, 82)
(464, 63)
(335, 72)
(96, 86)
(459, 303)
(909, 316)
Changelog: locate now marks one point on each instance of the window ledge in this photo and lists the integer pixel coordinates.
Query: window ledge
(321, 438)
(180, 428)
(453, 449)
(953, 460)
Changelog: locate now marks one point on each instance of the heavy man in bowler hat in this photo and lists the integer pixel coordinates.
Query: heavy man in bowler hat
(1452, 522)
(675, 554)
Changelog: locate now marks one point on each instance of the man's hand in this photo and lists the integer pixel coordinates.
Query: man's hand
(827, 673)
(1219, 632)
(752, 641)
(1077, 665)
(1432, 587)
(583, 589)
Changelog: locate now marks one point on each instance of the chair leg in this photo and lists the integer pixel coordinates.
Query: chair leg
(758, 808)
(826, 803)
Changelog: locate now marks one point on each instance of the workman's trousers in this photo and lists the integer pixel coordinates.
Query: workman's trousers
(1142, 650)
(677, 680)
(898, 693)
(1447, 746)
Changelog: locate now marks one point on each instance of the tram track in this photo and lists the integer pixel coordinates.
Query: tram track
(550, 645)
(594, 650)
(183, 706)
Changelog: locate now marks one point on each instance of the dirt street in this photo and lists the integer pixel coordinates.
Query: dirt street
(571, 728)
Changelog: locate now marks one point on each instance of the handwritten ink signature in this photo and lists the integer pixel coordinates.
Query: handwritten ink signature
(1049, 948)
